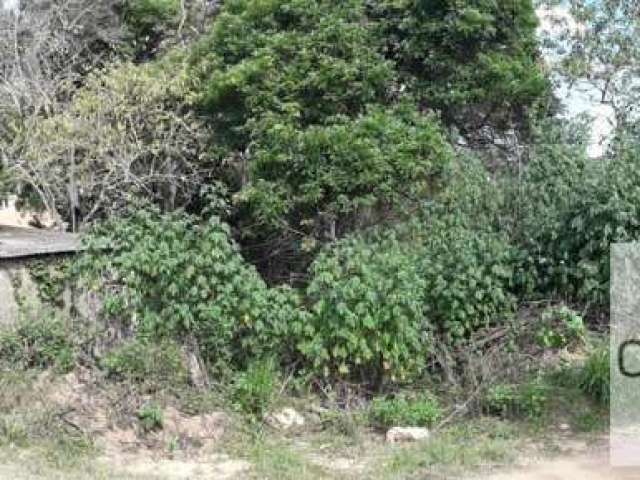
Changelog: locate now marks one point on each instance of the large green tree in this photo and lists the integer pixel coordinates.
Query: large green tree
(476, 61)
(306, 111)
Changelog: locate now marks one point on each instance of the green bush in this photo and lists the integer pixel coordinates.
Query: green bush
(151, 417)
(348, 169)
(255, 389)
(366, 317)
(38, 343)
(570, 210)
(527, 400)
(468, 277)
(150, 363)
(594, 377)
(560, 327)
(296, 62)
(177, 278)
(404, 411)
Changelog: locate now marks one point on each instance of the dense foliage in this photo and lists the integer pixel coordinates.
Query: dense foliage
(474, 61)
(469, 278)
(570, 210)
(367, 301)
(299, 62)
(174, 278)
(314, 194)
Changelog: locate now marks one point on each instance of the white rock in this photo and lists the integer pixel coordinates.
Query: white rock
(407, 434)
(285, 419)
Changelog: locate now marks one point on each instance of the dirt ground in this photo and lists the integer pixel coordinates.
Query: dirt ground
(591, 466)
(570, 468)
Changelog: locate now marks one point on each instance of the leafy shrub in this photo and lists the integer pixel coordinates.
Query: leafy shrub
(176, 278)
(366, 311)
(594, 378)
(500, 399)
(38, 343)
(560, 327)
(472, 196)
(571, 210)
(255, 389)
(148, 363)
(528, 400)
(417, 411)
(129, 124)
(151, 417)
(469, 278)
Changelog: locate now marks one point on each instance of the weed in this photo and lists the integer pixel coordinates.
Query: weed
(277, 460)
(152, 365)
(560, 327)
(528, 400)
(38, 343)
(13, 431)
(254, 390)
(588, 422)
(594, 376)
(342, 423)
(421, 410)
(151, 417)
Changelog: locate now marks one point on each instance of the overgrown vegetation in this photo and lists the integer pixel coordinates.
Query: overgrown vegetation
(594, 377)
(38, 343)
(345, 201)
(420, 410)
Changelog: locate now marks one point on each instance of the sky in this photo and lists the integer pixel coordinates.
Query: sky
(582, 97)
(10, 4)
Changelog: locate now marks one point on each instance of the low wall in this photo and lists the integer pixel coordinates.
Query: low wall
(34, 286)
(33, 277)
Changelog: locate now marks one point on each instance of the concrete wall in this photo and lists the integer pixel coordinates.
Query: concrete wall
(20, 294)
(9, 308)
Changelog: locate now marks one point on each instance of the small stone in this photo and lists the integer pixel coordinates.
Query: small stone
(285, 419)
(407, 434)
(564, 427)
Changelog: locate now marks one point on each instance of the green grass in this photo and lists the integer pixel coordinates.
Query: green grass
(461, 448)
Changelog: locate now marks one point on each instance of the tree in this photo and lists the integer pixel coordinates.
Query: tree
(46, 45)
(308, 114)
(598, 44)
(474, 61)
(127, 133)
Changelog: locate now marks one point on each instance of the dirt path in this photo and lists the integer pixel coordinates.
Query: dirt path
(592, 466)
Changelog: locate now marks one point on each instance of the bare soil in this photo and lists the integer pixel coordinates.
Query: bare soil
(590, 464)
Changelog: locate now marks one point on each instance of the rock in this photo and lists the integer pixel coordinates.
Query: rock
(285, 419)
(407, 434)
(195, 366)
(318, 409)
(197, 373)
